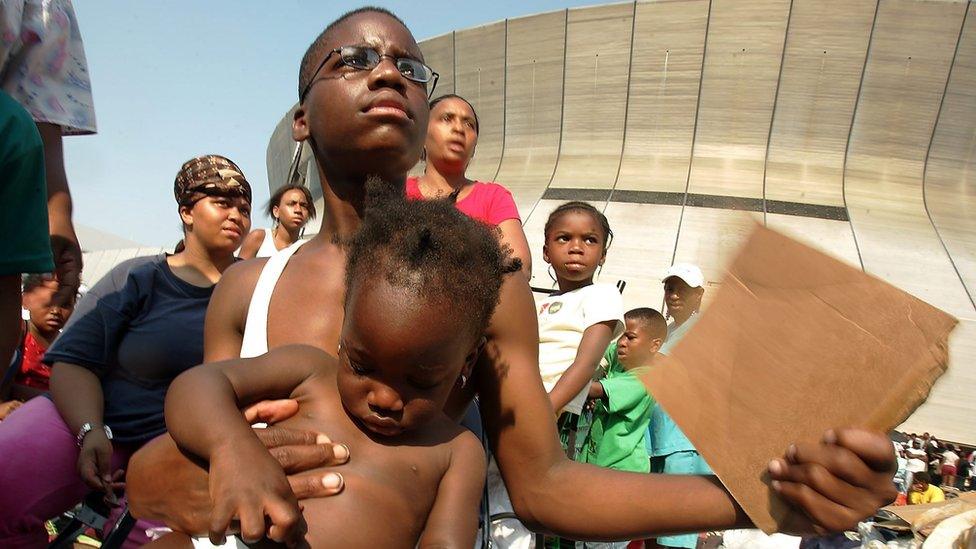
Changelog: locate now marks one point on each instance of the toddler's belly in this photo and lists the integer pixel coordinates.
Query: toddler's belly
(367, 513)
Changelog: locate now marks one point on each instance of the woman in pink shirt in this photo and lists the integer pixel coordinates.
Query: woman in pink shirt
(452, 135)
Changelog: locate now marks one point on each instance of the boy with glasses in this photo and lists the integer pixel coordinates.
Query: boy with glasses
(361, 123)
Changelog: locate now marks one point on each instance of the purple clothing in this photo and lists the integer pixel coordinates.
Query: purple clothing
(40, 476)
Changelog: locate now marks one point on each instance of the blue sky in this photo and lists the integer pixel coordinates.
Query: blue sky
(176, 79)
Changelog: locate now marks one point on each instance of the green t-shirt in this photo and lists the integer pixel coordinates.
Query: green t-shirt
(616, 436)
(25, 246)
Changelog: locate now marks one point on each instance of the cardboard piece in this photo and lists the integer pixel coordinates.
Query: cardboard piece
(908, 513)
(795, 343)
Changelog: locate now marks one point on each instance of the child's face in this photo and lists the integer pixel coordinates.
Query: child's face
(574, 246)
(920, 486)
(46, 317)
(636, 347)
(362, 121)
(292, 210)
(399, 358)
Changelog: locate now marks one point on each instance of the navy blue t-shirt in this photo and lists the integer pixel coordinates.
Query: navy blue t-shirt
(137, 329)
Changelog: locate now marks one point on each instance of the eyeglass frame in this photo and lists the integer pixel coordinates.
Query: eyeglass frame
(434, 76)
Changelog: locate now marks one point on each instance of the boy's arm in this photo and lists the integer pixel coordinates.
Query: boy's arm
(836, 483)
(626, 395)
(252, 243)
(453, 521)
(580, 372)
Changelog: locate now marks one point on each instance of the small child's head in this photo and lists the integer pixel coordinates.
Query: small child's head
(422, 281)
(921, 481)
(577, 239)
(363, 89)
(645, 332)
(38, 300)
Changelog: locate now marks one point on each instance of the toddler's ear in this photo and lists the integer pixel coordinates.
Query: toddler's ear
(472, 358)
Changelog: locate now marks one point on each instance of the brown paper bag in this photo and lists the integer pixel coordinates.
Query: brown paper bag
(795, 343)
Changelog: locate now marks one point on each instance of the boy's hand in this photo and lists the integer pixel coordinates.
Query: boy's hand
(247, 485)
(840, 481)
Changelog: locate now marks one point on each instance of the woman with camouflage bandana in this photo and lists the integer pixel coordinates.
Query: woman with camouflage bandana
(133, 333)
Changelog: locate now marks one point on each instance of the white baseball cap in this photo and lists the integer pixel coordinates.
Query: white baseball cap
(691, 274)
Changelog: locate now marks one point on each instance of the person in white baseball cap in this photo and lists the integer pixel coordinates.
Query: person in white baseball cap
(683, 291)
(670, 450)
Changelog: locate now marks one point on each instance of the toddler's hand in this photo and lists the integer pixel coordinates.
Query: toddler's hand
(840, 481)
(248, 485)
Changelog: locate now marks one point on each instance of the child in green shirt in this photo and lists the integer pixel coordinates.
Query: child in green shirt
(621, 404)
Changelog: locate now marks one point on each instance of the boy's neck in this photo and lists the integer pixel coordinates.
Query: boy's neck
(650, 361)
(566, 286)
(345, 201)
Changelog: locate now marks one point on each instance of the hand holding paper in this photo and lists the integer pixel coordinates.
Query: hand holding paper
(796, 344)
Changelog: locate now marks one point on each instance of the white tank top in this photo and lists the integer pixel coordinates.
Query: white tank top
(268, 247)
(255, 340)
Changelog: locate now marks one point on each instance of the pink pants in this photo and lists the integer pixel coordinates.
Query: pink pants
(39, 476)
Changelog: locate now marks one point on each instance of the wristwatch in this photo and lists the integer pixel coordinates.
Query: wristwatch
(86, 428)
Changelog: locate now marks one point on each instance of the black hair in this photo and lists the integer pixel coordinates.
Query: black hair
(316, 48)
(432, 251)
(582, 207)
(31, 281)
(921, 476)
(280, 193)
(652, 319)
(433, 103)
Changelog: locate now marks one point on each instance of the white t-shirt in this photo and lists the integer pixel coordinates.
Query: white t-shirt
(916, 465)
(562, 321)
(950, 458)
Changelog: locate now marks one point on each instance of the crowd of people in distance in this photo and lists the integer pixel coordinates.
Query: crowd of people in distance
(369, 385)
(928, 467)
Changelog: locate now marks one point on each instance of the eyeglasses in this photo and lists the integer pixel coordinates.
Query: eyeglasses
(366, 59)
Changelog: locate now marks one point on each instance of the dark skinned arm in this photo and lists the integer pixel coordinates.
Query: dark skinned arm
(10, 322)
(596, 391)
(513, 236)
(460, 488)
(252, 243)
(552, 493)
(580, 372)
(77, 393)
(64, 241)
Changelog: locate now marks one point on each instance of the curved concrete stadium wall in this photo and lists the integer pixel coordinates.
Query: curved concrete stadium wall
(850, 124)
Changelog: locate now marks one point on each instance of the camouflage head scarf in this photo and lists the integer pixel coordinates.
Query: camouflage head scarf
(209, 175)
